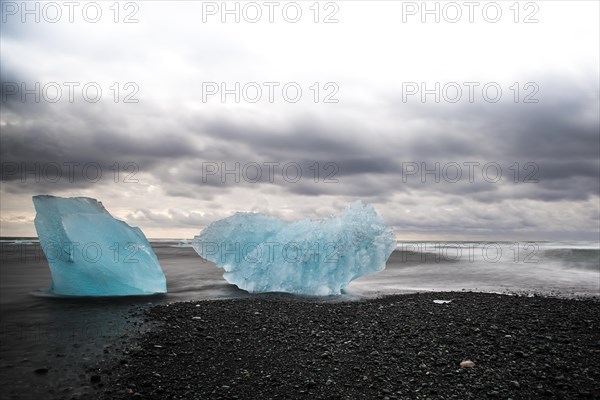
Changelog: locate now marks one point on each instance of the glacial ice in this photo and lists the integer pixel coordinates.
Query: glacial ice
(260, 253)
(90, 253)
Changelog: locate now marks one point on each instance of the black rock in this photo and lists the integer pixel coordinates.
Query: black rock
(397, 346)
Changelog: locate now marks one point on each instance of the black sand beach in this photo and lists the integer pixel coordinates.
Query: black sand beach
(396, 347)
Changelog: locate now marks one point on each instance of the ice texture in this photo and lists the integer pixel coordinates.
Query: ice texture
(260, 253)
(90, 253)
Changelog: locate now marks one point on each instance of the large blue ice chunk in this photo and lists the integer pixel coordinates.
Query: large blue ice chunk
(260, 253)
(93, 254)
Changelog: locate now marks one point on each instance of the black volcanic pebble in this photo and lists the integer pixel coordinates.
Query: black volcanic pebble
(396, 347)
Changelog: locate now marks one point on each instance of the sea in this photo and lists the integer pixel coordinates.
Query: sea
(49, 345)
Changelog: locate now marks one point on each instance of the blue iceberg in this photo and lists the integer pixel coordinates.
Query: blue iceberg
(90, 253)
(260, 253)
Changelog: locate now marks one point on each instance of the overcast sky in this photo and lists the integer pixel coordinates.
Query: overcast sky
(500, 103)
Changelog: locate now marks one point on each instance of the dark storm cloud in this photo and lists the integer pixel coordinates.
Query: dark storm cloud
(557, 135)
(562, 127)
(549, 131)
(41, 147)
(39, 136)
(299, 138)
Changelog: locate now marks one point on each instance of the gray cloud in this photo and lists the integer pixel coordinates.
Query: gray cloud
(561, 151)
(364, 144)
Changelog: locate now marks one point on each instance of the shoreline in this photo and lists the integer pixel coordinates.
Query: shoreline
(394, 346)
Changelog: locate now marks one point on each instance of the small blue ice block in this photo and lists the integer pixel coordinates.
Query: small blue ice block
(260, 253)
(90, 253)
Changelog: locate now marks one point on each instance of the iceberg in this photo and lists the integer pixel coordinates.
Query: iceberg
(260, 253)
(90, 253)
